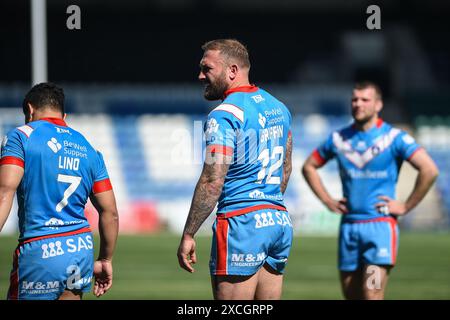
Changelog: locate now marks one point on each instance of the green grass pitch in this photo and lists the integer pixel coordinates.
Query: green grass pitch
(146, 267)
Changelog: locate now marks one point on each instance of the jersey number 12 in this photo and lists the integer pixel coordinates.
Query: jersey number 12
(264, 157)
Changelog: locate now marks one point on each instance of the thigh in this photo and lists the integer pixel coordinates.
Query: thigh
(44, 269)
(270, 284)
(231, 287)
(265, 284)
(375, 280)
(351, 284)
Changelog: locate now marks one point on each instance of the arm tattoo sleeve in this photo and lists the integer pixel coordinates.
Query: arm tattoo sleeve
(207, 192)
(287, 166)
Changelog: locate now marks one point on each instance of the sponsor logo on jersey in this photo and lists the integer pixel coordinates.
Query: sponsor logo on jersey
(53, 223)
(74, 149)
(61, 130)
(258, 98)
(211, 126)
(54, 145)
(375, 150)
(256, 194)
(367, 174)
(361, 146)
(261, 120)
(273, 112)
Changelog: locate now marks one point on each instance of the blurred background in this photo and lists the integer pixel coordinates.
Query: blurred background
(130, 78)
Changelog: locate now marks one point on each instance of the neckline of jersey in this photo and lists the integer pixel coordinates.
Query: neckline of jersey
(57, 121)
(250, 88)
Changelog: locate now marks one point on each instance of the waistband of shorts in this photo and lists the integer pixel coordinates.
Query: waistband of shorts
(56, 235)
(224, 215)
(380, 219)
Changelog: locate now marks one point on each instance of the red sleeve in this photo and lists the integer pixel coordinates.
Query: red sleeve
(12, 160)
(316, 155)
(102, 186)
(217, 148)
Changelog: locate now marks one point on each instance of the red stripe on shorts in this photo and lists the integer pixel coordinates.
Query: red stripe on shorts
(222, 246)
(393, 224)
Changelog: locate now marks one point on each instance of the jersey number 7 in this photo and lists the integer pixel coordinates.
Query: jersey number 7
(74, 183)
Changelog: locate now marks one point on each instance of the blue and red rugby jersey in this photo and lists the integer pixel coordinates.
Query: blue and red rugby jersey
(252, 126)
(61, 170)
(369, 163)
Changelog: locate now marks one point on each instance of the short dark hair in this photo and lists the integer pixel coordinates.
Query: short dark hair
(44, 95)
(369, 84)
(230, 49)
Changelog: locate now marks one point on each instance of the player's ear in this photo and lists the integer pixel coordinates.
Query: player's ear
(233, 71)
(379, 105)
(30, 113)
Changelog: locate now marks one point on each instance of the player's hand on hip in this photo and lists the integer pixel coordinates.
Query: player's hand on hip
(186, 253)
(103, 274)
(391, 206)
(338, 206)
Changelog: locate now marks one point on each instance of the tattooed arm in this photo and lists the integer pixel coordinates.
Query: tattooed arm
(287, 166)
(207, 192)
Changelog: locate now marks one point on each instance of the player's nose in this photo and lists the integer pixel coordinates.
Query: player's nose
(356, 103)
(201, 76)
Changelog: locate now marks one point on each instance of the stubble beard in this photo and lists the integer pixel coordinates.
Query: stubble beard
(215, 90)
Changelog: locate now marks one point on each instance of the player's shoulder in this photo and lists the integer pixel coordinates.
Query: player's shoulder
(31, 128)
(271, 101)
(22, 131)
(81, 139)
(229, 111)
(345, 132)
(21, 134)
(400, 136)
(393, 131)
